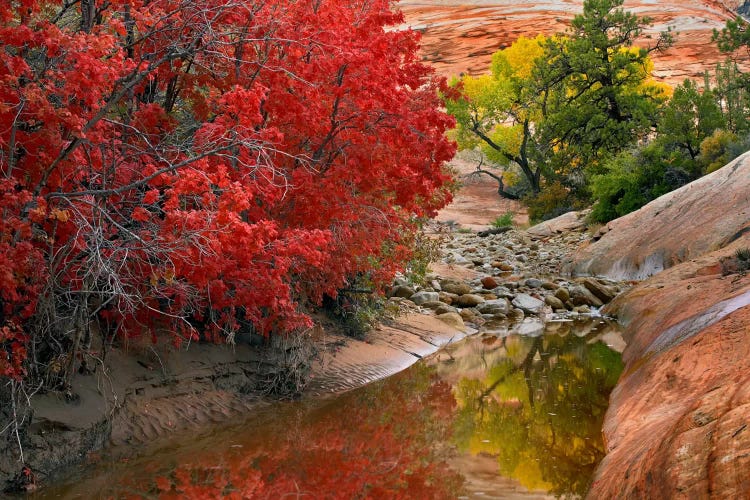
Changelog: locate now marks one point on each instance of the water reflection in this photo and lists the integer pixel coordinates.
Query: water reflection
(537, 406)
(529, 409)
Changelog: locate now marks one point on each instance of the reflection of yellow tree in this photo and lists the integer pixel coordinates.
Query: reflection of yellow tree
(541, 414)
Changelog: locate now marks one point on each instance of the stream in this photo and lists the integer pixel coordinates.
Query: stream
(486, 417)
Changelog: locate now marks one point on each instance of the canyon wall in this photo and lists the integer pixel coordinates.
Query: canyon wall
(459, 36)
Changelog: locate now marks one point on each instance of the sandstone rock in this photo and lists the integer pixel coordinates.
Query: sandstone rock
(676, 227)
(528, 304)
(571, 221)
(457, 39)
(469, 300)
(420, 298)
(452, 319)
(677, 426)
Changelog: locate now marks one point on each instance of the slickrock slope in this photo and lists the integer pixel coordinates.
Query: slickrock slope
(461, 35)
(702, 216)
(679, 419)
(678, 425)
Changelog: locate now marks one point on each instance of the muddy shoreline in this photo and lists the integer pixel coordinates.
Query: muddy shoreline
(145, 396)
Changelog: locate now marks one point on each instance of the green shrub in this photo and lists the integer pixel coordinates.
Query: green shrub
(426, 249)
(505, 220)
(715, 150)
(743, 259)
(554, 199)
(634, 178)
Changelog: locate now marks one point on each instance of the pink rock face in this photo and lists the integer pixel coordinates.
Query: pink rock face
(702, 216)
(460, 36)
(678, 425)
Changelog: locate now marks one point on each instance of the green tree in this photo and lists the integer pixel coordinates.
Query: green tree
(688, 119)
(731, 90)
(606, 99)
(732, 85)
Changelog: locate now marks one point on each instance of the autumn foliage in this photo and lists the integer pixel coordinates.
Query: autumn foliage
(203, 165)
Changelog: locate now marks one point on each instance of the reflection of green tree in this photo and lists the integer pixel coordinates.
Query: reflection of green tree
(541, 413)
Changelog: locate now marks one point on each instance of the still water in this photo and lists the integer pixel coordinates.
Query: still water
(488, 417)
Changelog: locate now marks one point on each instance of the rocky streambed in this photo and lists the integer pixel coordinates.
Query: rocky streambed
(509, 280)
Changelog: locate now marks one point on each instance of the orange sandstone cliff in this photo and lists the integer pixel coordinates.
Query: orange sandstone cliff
(679, 419)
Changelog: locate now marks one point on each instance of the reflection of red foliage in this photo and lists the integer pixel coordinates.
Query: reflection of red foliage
(219, 160)
(380, 447)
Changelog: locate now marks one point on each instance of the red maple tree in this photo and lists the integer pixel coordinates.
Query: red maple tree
(203, 164)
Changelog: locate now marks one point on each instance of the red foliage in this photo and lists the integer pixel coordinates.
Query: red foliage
(209, 159)
(388, 442)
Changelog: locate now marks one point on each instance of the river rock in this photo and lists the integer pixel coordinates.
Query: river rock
(432, 304)
(533, 283)
(488, 282)
(445, 308)
(468, 314)
(497, 306)
(516, 314)
(562, 294)
(531, 327)
(548, 285)
(580, 296)
(528, 304)
(503, 266)
(420, 298)
(555, 303)
(600, 290)
(457, 258)
(503, 292)
(469, 300)
(403, 291)
(447, 297)
(453, 319)
(454, 286)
